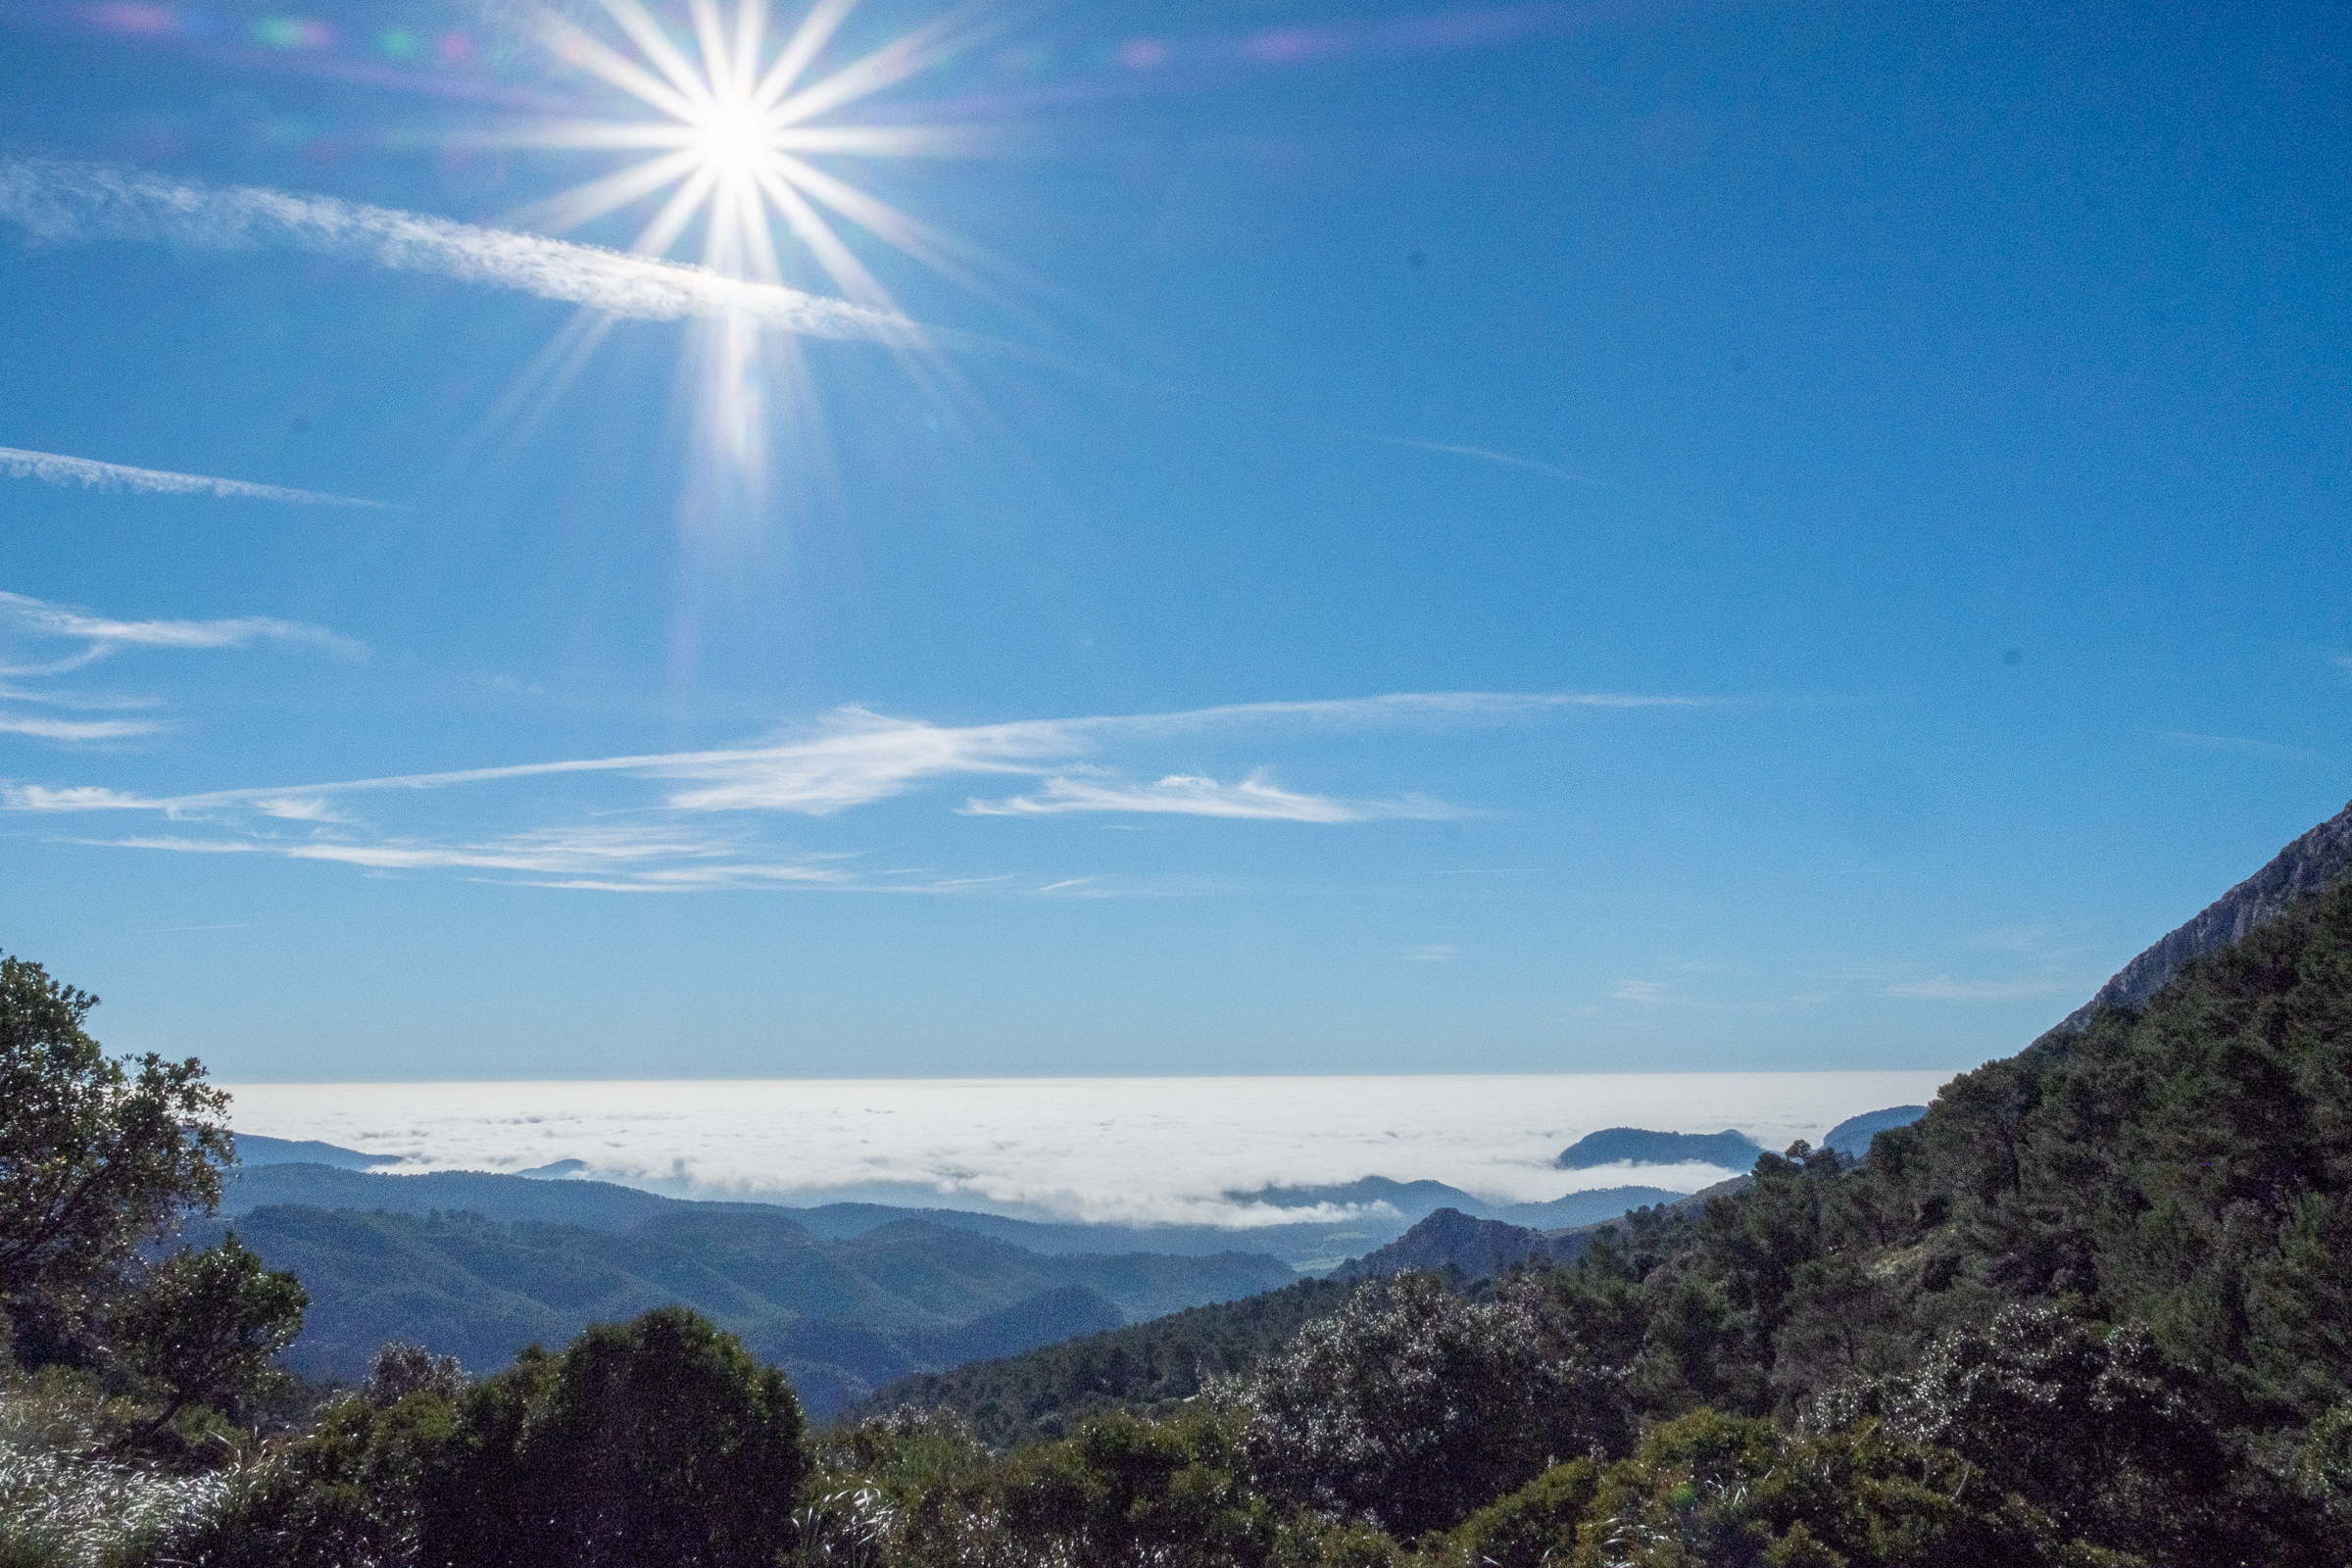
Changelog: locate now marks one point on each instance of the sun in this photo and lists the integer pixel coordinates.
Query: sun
(732, 137)
(729, 120)
(726, 124)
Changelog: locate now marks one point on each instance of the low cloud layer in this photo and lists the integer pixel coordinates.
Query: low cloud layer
(1125, 1150)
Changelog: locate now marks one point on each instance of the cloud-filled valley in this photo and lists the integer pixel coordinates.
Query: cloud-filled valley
(1121, 1150)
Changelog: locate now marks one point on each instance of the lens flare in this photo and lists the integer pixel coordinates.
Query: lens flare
(732, 120)
(734, 124)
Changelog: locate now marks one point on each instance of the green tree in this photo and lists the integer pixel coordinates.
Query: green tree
(207, 1325)
(96, 1154)
(1123, 1490)
(655, 1442)
(1413, 1406)
(1711, 1491)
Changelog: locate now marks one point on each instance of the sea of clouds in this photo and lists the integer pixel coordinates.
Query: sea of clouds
(1123, 1150)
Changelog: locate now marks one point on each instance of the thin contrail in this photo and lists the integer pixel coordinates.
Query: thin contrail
(1487, 455)
(52, 468)
(64, 203)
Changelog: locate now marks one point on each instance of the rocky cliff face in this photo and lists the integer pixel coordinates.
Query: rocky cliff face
(2313, 864)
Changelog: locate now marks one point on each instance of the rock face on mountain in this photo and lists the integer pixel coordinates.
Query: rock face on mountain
(2313, 864)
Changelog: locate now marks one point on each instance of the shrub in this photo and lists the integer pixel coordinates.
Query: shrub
(1413, 1406)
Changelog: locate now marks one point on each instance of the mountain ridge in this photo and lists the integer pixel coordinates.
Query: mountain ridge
(2311, 864)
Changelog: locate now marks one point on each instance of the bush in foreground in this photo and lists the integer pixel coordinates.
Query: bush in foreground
(654, 1441)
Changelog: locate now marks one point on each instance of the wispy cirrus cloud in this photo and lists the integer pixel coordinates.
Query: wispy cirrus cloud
(848, 759)
(87, 473)
(1489, 454)
(67, 729)
(593, 858)
(1255, 798)
(100, 635)
(854, 757)
(28, 623)
(55, 202)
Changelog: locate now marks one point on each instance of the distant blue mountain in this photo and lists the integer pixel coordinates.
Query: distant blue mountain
(556, 1194)
(254, 1150)
(598, 1205)
(608, 1206)
(1582, 1208)
(1413, 1199)
(1852, 1136)
(1733, 1151)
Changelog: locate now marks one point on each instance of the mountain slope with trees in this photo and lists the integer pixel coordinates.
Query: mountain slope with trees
(840, 1316)
(1019, 1400)
(2090, 1309)
(2089, 1312)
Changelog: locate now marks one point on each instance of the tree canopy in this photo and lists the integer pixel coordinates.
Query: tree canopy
(97, 1154)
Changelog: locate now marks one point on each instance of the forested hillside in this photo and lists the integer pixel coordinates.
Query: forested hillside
(2090, 1310)
(1040, 1395)
(839, 1316)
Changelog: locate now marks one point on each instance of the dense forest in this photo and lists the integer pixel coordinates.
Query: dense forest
(838, 1317)
(2092, 1310)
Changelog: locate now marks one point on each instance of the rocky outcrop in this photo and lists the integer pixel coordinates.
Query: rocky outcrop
(2313, 864)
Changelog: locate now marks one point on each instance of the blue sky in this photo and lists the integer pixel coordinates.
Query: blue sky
(1374, 538)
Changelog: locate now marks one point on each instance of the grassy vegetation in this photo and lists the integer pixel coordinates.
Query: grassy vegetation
(79, 1490)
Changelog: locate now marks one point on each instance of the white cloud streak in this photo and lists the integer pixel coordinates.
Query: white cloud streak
(66, 729)
(1489, 455)
(50, 467)
(1255, 797)
(851, 758)
(59, 203)
(38, 618)
(27, 619)
(583, 858)
(854, 757)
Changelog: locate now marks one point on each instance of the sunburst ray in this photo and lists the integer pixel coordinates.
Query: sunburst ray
(729, 111)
